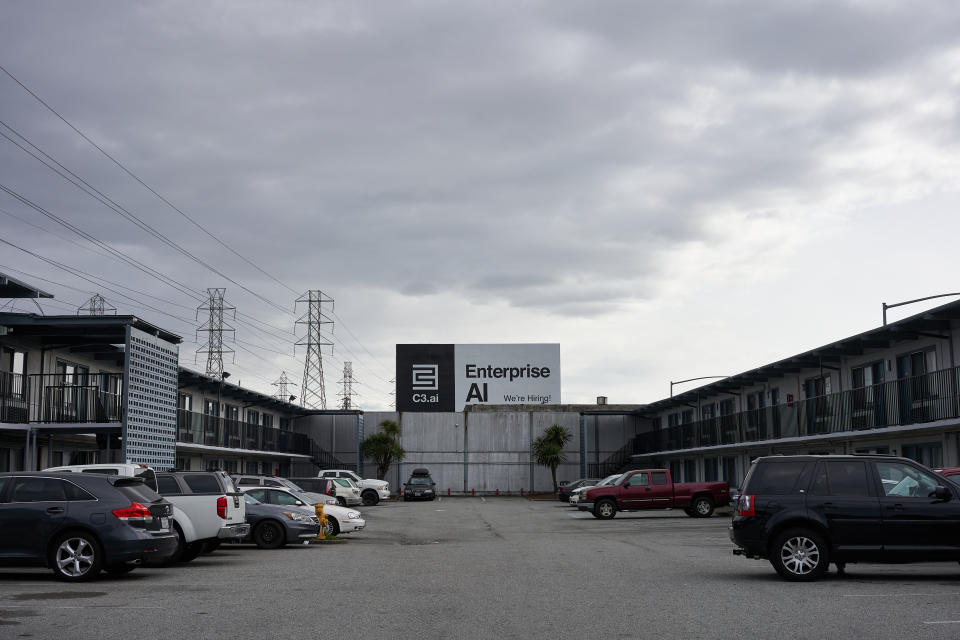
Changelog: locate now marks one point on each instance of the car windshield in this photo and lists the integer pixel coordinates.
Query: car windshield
(420, 480)
(289, 484)
(609, 480)
(301, 497)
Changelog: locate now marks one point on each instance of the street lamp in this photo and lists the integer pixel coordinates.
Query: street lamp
(900, 304)
(672, 382)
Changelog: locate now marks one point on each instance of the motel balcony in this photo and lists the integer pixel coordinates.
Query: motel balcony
(56, 399)
(212, 431)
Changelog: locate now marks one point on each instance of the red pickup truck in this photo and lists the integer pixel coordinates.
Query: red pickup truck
(654, 489)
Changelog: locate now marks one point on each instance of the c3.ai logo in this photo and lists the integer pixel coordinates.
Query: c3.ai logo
(425, 377)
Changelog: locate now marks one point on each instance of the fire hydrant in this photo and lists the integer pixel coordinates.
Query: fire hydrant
(323, 521)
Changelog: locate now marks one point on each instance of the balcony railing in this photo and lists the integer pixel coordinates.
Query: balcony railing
(200, 428)
(55, 398)
(912, 400)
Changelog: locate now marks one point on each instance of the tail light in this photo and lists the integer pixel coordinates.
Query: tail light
(331, 491)
(136, 512)
(222, 507)
(746, 506)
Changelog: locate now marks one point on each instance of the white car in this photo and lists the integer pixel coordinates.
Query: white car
(371, 490)
(348, 493)
(339, 519)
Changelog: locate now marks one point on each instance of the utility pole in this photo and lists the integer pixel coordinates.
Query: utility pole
(96, 306)
(215, 328)
(346, 402)
(283, 385)
(313, 394)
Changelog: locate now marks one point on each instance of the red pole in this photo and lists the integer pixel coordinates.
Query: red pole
(498, 491)
(521, 492)
(448, 491)
(473, 492)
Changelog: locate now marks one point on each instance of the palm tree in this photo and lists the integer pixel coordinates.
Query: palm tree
(382, 447)
(548, 449)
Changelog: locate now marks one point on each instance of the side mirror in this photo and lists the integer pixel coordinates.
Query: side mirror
(299, 504)
(942, 493)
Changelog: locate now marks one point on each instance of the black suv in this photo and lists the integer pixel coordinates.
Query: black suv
(420, 486)
(79, 524)
(804, 512)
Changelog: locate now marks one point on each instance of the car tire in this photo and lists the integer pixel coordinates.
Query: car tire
(370, 498)
(702, 507)
(341, 501)
(269, 535)
(332, 528)
(800, 555)
(690, 512)
(181, 546)
(76, 557)
(191, 551)
(605, 509)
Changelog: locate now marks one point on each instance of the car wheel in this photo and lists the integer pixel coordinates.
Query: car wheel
(181, 546)
(332, 528)
(605, 509)
(341, 501)
(269, 535)
(370, 498)
(191, 551)
(76, 557)
(690, 512)
(800, 555)
(120, 569)
(702, 507)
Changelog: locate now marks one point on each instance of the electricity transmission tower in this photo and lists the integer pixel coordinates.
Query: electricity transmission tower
(96, 306)
(215, 328)
(313, 393)
(346, 401)
(283, 385)
(393, 399)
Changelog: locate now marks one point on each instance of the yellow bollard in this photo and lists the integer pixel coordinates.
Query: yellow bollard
(318, 508)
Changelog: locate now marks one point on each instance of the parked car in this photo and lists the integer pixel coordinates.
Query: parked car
(803, 512)
(371, 489)
(348, 493)
(339, 519)
(318, 486)
(420, 486)
(950, 472)
(645, 489)
(117, 469)
(273, 481)
(79, 524)
(577, 494)
(563, 493)
(273, 526)
(207, 508)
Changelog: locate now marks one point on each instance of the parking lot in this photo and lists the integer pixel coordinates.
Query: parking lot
(490, 567)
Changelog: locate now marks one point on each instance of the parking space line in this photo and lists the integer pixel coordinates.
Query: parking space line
(898, 595)
(943, 622)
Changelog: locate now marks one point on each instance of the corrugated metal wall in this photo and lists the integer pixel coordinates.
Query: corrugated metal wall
(467, 451)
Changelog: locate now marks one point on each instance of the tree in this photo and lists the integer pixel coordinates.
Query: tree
(382, 447)
(548, 449)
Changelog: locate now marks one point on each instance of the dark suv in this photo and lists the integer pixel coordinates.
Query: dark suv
(803, 512)
(420, 486)
(78, 524)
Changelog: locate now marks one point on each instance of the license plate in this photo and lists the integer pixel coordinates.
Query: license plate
(418, 493)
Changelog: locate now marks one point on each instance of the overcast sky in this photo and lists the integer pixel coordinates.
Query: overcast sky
(668, 190)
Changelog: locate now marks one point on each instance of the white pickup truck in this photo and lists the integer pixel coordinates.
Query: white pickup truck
(371, 490)
(207, 508)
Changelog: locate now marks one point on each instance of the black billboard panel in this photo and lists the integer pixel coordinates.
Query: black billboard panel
(425, 377)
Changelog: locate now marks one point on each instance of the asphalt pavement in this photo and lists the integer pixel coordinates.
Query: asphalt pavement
(489, 568)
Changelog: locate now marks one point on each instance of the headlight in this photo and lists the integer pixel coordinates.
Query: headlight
(353, 515)
(297, 517)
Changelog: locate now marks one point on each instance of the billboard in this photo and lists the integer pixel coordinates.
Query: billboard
(446, 377)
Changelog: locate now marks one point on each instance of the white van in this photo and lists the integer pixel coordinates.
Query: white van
(117, 469)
